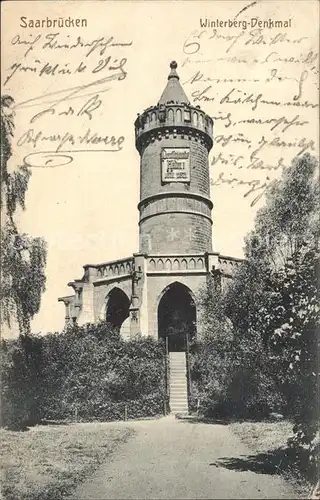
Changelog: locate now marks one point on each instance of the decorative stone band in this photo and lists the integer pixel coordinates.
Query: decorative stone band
(175, 202)
(173, 132)
(113, 268)
(178, 114)
(228, 265)
(191, 263)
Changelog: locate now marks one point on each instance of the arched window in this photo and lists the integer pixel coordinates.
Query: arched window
(195, 119)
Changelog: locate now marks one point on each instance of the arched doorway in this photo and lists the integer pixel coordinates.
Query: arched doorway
(176, 316)
(117, 310)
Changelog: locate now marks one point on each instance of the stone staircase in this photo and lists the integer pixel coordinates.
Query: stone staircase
(178, 383)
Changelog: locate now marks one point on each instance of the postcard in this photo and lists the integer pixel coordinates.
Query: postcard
(152, 150)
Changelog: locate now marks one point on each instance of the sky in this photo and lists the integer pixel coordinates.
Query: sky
(259, 85)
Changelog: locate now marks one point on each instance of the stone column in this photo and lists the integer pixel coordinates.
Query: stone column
(67, 318)
(86, 315)
(138, 282)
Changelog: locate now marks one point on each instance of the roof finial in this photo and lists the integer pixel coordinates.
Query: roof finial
(173, 73)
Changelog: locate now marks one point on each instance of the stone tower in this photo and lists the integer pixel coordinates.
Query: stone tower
(155, 291)
(173, 139)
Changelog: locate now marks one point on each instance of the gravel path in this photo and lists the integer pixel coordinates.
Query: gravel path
(177, 459)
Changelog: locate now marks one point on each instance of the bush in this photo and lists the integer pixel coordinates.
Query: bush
(20, 381)
(229, 382)
(272, 359)
(87, 373)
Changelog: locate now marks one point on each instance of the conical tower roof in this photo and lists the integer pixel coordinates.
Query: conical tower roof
(173, 91)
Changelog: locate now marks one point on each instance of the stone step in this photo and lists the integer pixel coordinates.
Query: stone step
(179, 409)
(178, 383)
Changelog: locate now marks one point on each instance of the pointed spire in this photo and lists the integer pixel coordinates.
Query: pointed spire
(173, 73)
(173, 91)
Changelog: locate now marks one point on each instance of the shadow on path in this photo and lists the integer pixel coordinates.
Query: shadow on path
(203, 420)
(282, 461)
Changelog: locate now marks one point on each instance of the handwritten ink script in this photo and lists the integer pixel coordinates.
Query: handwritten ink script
(76, 75)
(260, 86)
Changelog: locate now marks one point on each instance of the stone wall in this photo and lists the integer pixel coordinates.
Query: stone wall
(176, 216)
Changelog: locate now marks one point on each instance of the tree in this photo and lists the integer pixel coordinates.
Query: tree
(291, 318)
(230, 364)
(290, 217)
(23, 258)
(274, 296)
(269, 357)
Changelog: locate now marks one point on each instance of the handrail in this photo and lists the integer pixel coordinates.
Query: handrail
(167, 368)
(188, 368)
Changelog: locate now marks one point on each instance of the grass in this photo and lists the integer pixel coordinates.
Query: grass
(263, 436)
(47, 462)
(271, 455)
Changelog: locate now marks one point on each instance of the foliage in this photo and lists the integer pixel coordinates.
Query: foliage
(291, 318)
(86, 373)
(282, 258)
(23, 258)
(289, 219)
(272, 303)
(20, 381)
(227, 373)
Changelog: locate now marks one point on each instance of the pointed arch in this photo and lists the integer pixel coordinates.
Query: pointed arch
(152, 264)
(184, 264)
(199, 263)
(160, 265)
(176, 265)
(168, 265)
(170, 115)
(117, 307)
(176, 315)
